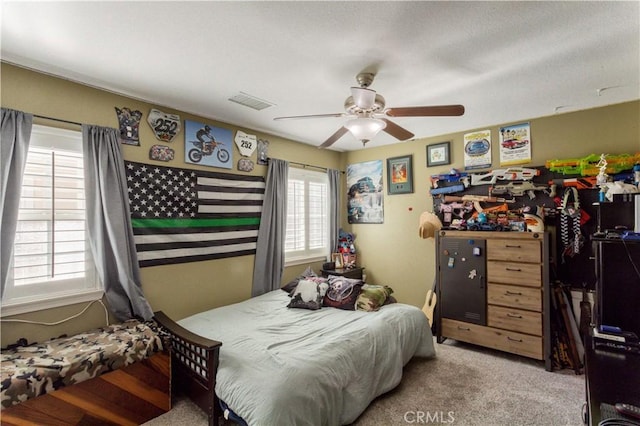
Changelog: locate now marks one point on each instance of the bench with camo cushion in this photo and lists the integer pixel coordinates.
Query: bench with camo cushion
(33, 370)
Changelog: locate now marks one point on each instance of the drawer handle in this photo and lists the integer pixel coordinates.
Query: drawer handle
(514, 340)
(510, 315)
(514, 269)
(512, 293)
(464, 328)
(512, 246)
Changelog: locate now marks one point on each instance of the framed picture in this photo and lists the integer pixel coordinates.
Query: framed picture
(438, 154)
(337, 259)
(365, 200)
(400, 175)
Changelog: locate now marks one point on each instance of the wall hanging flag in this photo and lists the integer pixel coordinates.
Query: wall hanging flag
(207, 145)
(129, 125)
(181, 215)
(165, 126)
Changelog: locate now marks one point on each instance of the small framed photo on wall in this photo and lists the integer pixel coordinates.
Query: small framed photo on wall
(438, 154)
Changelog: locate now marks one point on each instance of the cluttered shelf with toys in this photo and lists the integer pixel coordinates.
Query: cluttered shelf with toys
(558, 197)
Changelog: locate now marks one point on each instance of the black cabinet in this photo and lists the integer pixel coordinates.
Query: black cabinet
(617, 283)
(462, 279)
(611, 377)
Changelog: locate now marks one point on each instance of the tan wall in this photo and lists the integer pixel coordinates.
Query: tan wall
(179, 290)
(391, 252)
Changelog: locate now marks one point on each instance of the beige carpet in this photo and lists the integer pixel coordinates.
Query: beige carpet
(463, 385)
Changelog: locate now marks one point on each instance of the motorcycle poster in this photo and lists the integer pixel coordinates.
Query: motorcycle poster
(207, 145)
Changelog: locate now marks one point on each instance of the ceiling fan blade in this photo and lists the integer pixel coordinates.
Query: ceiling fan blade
(396, 131)
(296, 117)
(426, 111)
(333, 138)
(363, 97)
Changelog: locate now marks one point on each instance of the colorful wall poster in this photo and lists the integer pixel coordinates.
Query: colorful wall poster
(207, 145)
(515, 144)
(477, 150)
(365, 198)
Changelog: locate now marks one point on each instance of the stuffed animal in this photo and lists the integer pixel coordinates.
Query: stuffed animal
(346, 242)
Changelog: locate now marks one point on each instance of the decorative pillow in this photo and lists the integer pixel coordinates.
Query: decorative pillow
(342, 293)
(372, 297)
(291, 285)
(308, 294)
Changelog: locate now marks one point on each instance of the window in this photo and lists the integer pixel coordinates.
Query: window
(52, 262)
(307, 234)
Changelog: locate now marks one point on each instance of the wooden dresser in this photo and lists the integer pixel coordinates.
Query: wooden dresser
(493, 291)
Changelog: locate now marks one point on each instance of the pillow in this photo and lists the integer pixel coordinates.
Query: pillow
(291, 285)
(342, 293)
(372, 297)
(308, 294)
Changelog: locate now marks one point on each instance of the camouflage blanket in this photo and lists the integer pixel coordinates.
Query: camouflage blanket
(30, 371)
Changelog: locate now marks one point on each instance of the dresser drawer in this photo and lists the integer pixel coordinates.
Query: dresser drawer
(508, 341)
(515, 296)
(514, 320)
(514, 250)
(514, 273)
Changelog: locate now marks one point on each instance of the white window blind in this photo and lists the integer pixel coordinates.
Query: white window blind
(307, 234)
(52, 260)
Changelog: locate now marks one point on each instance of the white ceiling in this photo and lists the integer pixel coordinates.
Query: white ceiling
(504, 61)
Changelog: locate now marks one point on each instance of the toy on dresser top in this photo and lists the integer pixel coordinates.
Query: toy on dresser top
(467, 211)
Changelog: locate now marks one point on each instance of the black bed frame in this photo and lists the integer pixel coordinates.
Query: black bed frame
(194, 364)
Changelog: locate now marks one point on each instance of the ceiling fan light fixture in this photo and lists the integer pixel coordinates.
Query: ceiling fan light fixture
(365, 129)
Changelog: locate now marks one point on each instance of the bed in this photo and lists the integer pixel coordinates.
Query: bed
(281, 366)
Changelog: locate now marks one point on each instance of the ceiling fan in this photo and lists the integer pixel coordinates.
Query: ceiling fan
(367, 113)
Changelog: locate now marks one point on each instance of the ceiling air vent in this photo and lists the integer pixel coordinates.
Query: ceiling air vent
(250, 101)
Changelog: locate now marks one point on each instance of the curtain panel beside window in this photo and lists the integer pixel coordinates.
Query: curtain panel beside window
(15, 133)
(109, 223)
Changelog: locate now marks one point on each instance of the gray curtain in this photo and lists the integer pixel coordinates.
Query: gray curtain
(334, 208)
(269, 263)
(15, 133)
(109, 223)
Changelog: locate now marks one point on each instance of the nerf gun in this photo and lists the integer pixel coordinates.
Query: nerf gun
(517, 189)
(452, 177)
(586, 182)
(589, 165)
(512, 173)
(447, 189)
(474, 198)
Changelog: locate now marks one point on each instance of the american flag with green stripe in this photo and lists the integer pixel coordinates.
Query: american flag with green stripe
(182, 215)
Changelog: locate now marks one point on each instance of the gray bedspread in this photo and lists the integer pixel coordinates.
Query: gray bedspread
(282, 366)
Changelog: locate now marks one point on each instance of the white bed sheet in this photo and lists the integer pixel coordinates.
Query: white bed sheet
(282, 366)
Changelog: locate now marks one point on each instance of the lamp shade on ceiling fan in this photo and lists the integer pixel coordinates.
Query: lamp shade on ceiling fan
(365, 105)
(365, 129)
